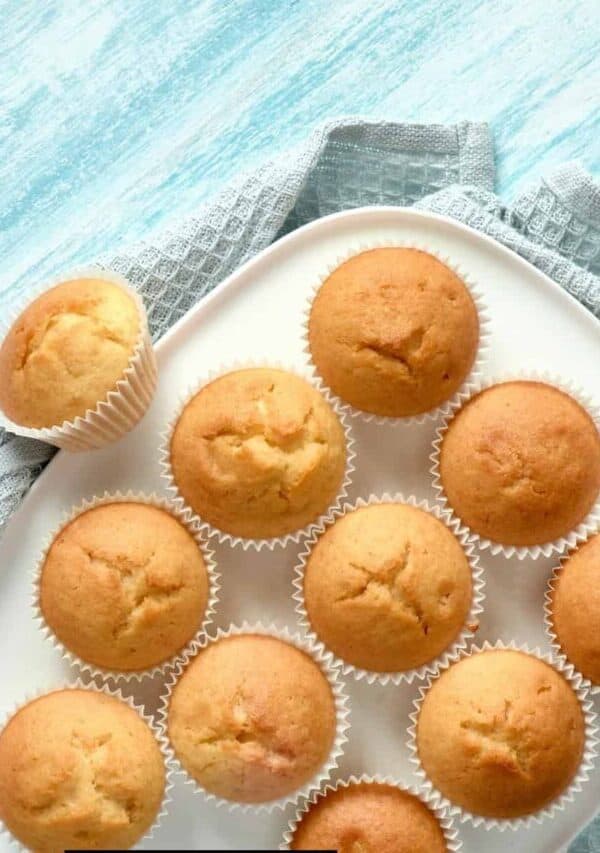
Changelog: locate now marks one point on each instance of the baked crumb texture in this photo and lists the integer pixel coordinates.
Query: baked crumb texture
(387, 587)
(520, 463)
(576, 609)
(393, 331)
(258, 453)
(66, 351)
(79, 769)
(124, 586)
(500, 733)
(369, 817)
(252, 718)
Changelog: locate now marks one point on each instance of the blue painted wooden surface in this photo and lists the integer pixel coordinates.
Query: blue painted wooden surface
(117, 118)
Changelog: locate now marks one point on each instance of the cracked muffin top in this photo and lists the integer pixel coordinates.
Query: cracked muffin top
(258, 453)
(66, 351)
(387, 587)
(500, 733)
(575, 609)
(79, 770)
(393, 331)
(252, 718)
(520, 463)
(124, 586)
(369, 817)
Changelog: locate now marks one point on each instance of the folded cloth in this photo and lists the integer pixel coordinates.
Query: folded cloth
(350, 163)
(345, 164)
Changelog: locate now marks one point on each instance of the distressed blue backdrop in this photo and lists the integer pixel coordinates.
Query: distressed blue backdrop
(116, 118)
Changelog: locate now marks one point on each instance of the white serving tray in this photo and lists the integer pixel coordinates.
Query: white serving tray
(256, 314)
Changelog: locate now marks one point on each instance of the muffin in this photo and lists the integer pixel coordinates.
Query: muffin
(124, 586)
(369, 816)
(500, 733)
(575, 609)
(79, 770)
(393, 331)
(252, 718)
(387, 587)
(67, 351)
(258, 453)
(520, 463)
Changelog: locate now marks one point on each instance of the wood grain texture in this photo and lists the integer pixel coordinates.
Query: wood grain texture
(118, 118)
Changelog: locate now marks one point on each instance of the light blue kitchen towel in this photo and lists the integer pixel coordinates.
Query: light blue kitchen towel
(350, 163)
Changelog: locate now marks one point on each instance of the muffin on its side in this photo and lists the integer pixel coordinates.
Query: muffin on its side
(252, 718)
(67, 351)
(258, 453)
(575, 609)
(520, 463)
(501, 733)
(124, 586)
(79, 770)
(369, 816)
(393, 331)
(387, 587)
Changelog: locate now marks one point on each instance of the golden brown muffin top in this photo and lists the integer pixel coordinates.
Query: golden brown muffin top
(393, 331)
(252, 718)
(124, 586)
(576, 609)
(79, 769)
(501, 733)
(66, 351)
(387, 587)
(369, 817)
(520, 463)
(258, 453)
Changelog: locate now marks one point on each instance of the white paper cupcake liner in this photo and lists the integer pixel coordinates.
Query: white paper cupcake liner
(557, 650)
(564, 798)
(342, 710)
(162, 741)
(122, 407)
(546, 549)
(184, 517)
(482, 348)
(472, 619)
(222, 536)
(451, 837)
